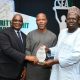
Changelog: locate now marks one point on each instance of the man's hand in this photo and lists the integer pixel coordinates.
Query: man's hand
(49, 62)
(32, 59)
(47, 50)
(24, 74)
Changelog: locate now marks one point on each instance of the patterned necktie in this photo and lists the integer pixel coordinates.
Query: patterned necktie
(19, 37)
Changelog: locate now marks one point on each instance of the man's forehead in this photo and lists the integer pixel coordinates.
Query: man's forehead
(17, 16)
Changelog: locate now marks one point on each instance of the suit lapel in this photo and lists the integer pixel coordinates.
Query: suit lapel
(15, 37)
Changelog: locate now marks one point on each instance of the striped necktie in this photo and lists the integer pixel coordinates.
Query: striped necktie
(19, 37)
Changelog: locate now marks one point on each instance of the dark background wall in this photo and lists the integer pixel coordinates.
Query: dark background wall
(33, 7)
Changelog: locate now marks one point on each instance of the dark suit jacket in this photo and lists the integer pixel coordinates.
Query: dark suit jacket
(11, 54)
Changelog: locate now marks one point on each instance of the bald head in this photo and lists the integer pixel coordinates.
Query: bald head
(17, 15)
(17, 21)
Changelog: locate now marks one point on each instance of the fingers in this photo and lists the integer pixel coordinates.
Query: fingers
(32, 58)
(49, 62)
(47, 50)
(35, 60)
(24, 73)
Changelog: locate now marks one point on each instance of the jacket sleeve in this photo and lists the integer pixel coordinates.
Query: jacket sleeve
(28, 45)
(73, 57)
(8, 50)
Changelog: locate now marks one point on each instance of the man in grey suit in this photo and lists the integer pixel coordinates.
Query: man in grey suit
(12, 50)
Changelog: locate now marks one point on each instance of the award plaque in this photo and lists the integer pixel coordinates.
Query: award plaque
(41, 54)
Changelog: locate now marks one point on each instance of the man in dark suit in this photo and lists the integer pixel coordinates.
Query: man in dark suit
(12, 50)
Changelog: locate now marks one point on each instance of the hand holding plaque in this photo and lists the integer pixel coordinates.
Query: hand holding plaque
(41, 54)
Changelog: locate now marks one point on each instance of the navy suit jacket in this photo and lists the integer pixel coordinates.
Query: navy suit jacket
(11, 54)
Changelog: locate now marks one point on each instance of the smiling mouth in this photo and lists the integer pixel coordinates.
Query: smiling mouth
(71, 23)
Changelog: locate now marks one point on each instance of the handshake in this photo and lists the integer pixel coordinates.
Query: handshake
(42, 57)
(31, 58)
(35, 60)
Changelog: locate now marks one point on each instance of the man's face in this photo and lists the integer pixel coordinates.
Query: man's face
(41, 21)
(79, 21)
(17, 22)
(72, 21)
